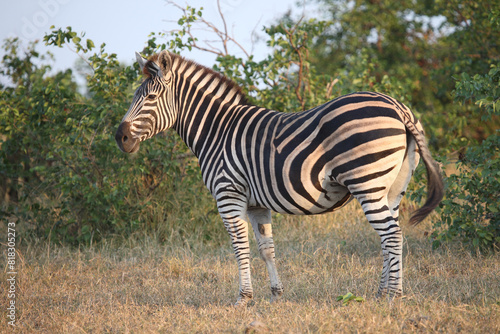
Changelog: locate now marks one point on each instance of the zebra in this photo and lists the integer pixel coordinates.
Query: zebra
(253, 160)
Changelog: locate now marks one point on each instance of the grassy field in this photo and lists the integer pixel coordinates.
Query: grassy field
(147, 286)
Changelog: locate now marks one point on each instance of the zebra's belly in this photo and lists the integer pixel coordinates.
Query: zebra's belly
(300, 201)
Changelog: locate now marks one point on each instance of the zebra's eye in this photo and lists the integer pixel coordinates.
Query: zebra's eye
(151, 96)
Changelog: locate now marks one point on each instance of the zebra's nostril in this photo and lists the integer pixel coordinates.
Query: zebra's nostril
(125, 138)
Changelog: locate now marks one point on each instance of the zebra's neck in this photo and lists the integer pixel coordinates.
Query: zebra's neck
(205, 100)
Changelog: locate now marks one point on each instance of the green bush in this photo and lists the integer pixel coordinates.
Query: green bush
(471, 210)
(65, 176)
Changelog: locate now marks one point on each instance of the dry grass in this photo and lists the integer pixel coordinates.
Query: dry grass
(147, 287)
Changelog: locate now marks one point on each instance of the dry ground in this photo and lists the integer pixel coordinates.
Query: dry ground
(148, 287)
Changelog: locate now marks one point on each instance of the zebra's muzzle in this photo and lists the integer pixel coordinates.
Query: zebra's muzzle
(124, 139)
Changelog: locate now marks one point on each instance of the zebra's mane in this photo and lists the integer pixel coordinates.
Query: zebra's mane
(187, 63)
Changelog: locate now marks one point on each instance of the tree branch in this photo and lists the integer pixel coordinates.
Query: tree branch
(223, 36)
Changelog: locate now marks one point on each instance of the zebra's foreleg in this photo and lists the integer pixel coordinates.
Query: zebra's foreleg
(232, 206)
(387, 227)
(238, 232)
(261, 224)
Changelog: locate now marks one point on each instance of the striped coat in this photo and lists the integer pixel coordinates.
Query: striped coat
(253, 160)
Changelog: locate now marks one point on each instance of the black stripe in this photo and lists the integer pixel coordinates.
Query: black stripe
(368, 191)
(382, 209)
(374, 200)
(368, 177)
(364, 160)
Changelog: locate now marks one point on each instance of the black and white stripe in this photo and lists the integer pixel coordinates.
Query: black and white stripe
(363, 145)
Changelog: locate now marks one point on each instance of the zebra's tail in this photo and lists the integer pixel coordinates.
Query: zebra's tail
(435, 187)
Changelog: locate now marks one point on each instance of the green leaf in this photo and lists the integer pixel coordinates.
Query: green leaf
(347, 298)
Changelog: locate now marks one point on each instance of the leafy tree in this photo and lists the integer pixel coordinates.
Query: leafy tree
(421, 45)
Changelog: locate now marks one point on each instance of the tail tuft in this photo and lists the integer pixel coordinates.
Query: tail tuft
(435, 187)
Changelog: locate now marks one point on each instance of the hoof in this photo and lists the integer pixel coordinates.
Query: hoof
(242, 301)
(381, 293)
(276, 294)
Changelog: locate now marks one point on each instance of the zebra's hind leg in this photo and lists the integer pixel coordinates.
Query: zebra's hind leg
(261, 224)
(386, 225)
(398, 187)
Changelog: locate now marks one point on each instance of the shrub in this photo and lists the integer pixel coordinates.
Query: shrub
(65, 176)
(471, 210)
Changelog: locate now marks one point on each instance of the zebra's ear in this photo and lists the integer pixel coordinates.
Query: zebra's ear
(141, 60)
(165, 62)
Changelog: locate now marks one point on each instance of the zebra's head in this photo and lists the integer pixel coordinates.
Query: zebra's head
(151, 110)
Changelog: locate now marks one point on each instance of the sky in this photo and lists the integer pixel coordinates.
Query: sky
(125, 25)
